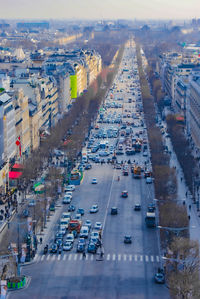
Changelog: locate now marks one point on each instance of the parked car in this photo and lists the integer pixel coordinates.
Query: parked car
(70, 188)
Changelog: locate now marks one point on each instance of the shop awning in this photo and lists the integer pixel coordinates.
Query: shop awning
(13, 175)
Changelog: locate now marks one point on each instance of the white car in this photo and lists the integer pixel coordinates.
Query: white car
(68, 193)
(70, 188)
(70, 238)
(88, 223)
(145, 154)
(67, 199)
(67, 245)
(94, 234)
(94, 209)
(94, 181)
(98, 225)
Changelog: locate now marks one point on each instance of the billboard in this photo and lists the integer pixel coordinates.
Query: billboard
(73, 86)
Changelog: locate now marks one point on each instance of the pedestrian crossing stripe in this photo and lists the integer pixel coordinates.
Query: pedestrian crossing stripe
(138, 258)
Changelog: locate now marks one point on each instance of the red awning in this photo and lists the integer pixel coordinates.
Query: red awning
(13, 175)
(16, 166)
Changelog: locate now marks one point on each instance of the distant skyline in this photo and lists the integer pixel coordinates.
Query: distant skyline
(99, 9)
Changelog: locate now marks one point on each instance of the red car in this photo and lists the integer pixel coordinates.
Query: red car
(124, 194)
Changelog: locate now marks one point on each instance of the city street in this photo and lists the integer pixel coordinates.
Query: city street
(126, 270)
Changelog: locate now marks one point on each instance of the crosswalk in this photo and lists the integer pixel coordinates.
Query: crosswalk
(109, 257)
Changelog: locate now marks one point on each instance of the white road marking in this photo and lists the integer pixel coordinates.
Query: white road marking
(48, 257)
(108, 257)
(75, 256)
(130, 257)
(86, 257)
(124, 257)
(53, 258)
(80, 257)
(70, 256)
(92, 257)
(64, 257)
(152, 258)
(113, 257)
(42, 257)
(157, 258)
(146, 258)
(135, 257)
(141, 258)
(36, 257)
(59, 257)
(119, 257)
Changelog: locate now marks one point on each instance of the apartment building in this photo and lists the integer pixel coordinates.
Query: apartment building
(194, 110)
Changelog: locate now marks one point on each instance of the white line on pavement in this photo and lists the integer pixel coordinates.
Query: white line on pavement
(75, 256)
(108, 257)
(70, 256)
(119, 257)
(58, 257)
(92, 257)
(146, 258)
(152, 258)
(64, 257)
(53, 258)
(130, 257)
(141, 258)
(114, 256)
(124, 257)
(42, 257)
(48, 257)
(157, 258)
(135, 257)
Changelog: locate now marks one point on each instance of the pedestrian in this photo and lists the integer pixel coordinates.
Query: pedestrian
(84, 254)
(186, 193)
(40, 240)
(181, 179)
(189, 217)
(190, 207)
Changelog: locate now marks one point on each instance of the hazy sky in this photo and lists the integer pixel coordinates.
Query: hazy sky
(100, 9)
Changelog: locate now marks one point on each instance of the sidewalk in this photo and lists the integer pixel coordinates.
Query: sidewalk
(183, 194)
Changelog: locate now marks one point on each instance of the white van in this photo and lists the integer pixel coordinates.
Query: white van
(84, 232)
(64, 222)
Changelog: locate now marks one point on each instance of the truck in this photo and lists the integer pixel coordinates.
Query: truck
(137, 172)
(84, 156)
(74, 224)
(150, 219)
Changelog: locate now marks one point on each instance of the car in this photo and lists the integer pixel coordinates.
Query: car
(95, 241)
(137, 207)
(67, 199)
(71, 208)
(80, 211)
(81, 241)
(59, 242)
(94, 209)
(145, 154)
(88, 166)
(67, 246)
(80, 247)
(160, 276)
(98, 226)
(118, 166)
(32, 203)
(127, 239)
(66, 215)
(114, 211)
(88, 223)
(52, 207)
(70, 188)
(84, 232)
(53, 248)
(91, 248)
(151, 207)
(68, 193)
(78, 216)
(124, 194)
(70, 238)
(58, 235)
(94, 181)
(94, 234)
(149, 180)
(25, 213)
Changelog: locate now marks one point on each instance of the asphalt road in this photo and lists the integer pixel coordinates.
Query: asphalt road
(127, 270)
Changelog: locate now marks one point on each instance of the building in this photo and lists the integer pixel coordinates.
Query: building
(23, 140)
(9, 126)
(194, 110)
(181, 95)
